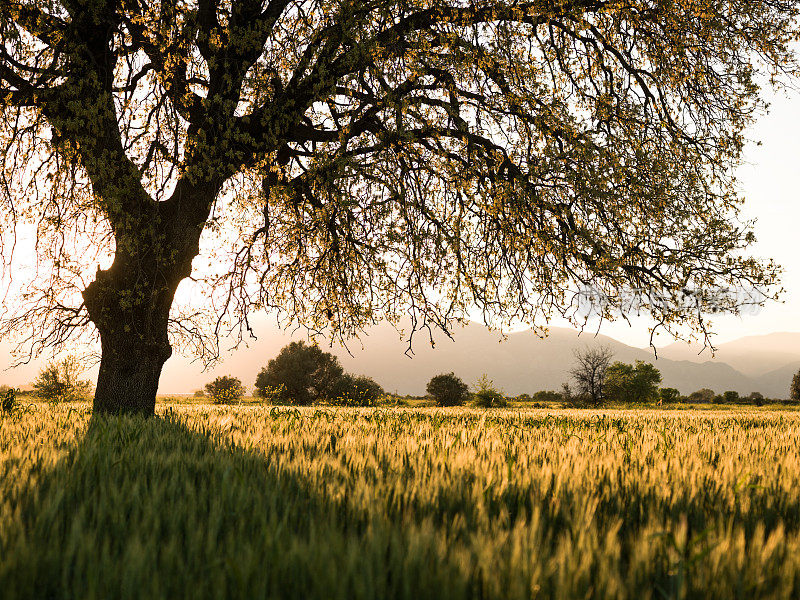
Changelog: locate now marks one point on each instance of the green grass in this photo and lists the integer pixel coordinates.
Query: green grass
(260, 502)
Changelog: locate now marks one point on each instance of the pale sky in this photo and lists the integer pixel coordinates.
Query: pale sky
(770, 181)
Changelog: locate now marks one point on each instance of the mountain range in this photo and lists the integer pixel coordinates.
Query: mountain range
(523, 362)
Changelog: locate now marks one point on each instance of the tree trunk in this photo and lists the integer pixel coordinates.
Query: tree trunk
(129, 373)
(133, 338)
(129, 303)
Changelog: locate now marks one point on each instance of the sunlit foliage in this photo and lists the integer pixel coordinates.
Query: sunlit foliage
(632, 383)
(225, 389)
(60, 381)
(355, 161)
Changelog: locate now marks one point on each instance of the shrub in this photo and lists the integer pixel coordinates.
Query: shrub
(669, 395)
(702, 396)
(303, 374)
(225, 390)
(486, 396)
(548, 396)
(199, 394)
(756, 398)
(58, 382)
(448, 389)
(8, 399)
(351, 390)
(272, 395)
(731, 397)
(794, 389)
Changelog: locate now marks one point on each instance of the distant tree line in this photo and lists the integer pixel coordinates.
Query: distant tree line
(448, 389)
(303, 374)
(597, 381)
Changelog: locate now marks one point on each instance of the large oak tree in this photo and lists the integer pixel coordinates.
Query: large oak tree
(372, 159)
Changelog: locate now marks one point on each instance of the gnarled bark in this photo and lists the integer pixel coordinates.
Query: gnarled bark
(129, 374)
(133, 335)
(130, 302)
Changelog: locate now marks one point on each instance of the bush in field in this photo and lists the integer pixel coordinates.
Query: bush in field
(199, 394)
(547, 396)
(756, 398)
(794, 390)
(59, 382)
(702, 396)
(486, 396)
(352, 390)
(8, 399)
(272, 395)
(669, 395)
(303, 374)
(448, 389)
(225, 390)
(731, 397)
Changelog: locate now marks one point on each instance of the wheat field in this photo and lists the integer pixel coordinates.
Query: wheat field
(261, 502)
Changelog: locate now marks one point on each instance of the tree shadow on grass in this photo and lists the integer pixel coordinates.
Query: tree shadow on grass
(153, 508)
(172, 508)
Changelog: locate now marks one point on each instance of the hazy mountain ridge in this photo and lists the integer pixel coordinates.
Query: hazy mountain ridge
(754, 356)
(522, 363)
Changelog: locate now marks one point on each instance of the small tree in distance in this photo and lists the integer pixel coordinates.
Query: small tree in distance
(702, 396)
(486, 395)
(353, 390)
(669, 395)
(629, 383)
(225, 390)
(731, 397)
(305, 372)
(618, 382)
(590, 373)
(59, 382)
(448, 389)
(794, 390)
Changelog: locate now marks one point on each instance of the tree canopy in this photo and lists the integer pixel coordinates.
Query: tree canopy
(302, 374)
(589, 373)
(353, 161)
(448, 389)
(628, 383)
